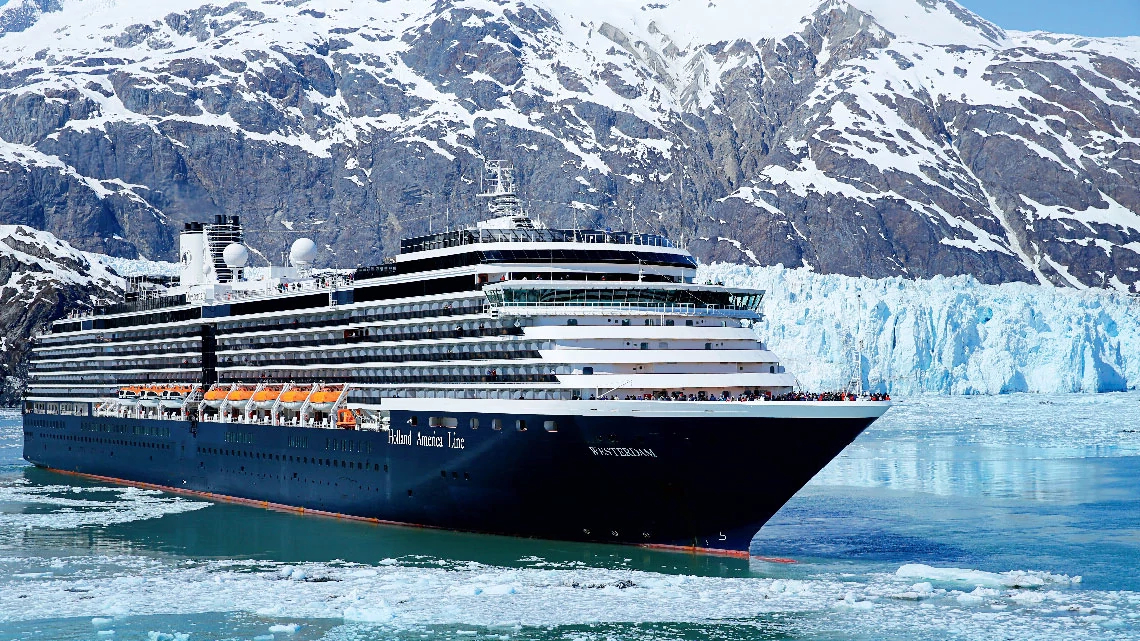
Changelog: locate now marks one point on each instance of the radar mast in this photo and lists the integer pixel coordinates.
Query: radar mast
(501, 191)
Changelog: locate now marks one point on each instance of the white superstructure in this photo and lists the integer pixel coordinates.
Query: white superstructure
(504, 310)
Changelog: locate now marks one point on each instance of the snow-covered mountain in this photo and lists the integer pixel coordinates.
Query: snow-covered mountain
(864, 137)
(945, 335)
(44, 278)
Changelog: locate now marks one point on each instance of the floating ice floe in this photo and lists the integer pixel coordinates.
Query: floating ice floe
(83, 506)
(1013, 579)
(410, 595)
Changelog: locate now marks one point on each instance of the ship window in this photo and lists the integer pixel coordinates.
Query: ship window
(474, 423)
(409, 492)
(443, 474)
(572, 321)
(415, 420)
(708, 345)
(771, 369)
(376, 467)
(443, 421)
(645, 346)
(550, 426)
(587, 370)
(689, 322)
(520, 425)
(496, 423)
(625, 322)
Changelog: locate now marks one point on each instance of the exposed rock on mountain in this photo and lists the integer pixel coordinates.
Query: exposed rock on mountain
(864, 137)
(43, 278)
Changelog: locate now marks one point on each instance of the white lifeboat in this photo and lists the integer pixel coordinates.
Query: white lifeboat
(172, 399)
(149, 397)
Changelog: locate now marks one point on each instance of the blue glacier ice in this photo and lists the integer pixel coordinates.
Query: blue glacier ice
(946, 335)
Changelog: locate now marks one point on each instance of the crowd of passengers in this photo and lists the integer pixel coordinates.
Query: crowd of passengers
(320, 282)
(750, 395)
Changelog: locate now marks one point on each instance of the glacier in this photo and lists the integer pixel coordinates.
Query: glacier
(946, 335)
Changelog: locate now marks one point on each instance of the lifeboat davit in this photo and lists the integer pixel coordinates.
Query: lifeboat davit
(294, 398)
(324, 399)
(265, 399)
(214, 398)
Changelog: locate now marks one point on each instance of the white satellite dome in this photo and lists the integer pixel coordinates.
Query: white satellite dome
(303, 252)
(236, 255)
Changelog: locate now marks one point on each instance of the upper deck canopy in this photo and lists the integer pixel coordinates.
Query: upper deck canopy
(473, 236)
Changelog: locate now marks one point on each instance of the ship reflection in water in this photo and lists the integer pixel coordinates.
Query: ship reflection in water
(231, 531)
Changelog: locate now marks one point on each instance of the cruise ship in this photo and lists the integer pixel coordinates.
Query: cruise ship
(504, 378)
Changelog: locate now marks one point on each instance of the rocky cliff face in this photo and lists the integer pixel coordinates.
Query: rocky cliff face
(43, 278)
(864, 137)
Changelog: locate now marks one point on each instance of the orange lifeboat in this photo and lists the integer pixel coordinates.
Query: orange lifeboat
(324, 398)
(214, 397)
(266, 398)
(294, 398)
(240, 395)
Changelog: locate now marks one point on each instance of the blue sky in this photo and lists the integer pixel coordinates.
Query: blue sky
(1084, 17)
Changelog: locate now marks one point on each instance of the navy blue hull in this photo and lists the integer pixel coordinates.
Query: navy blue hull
(664, 481)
